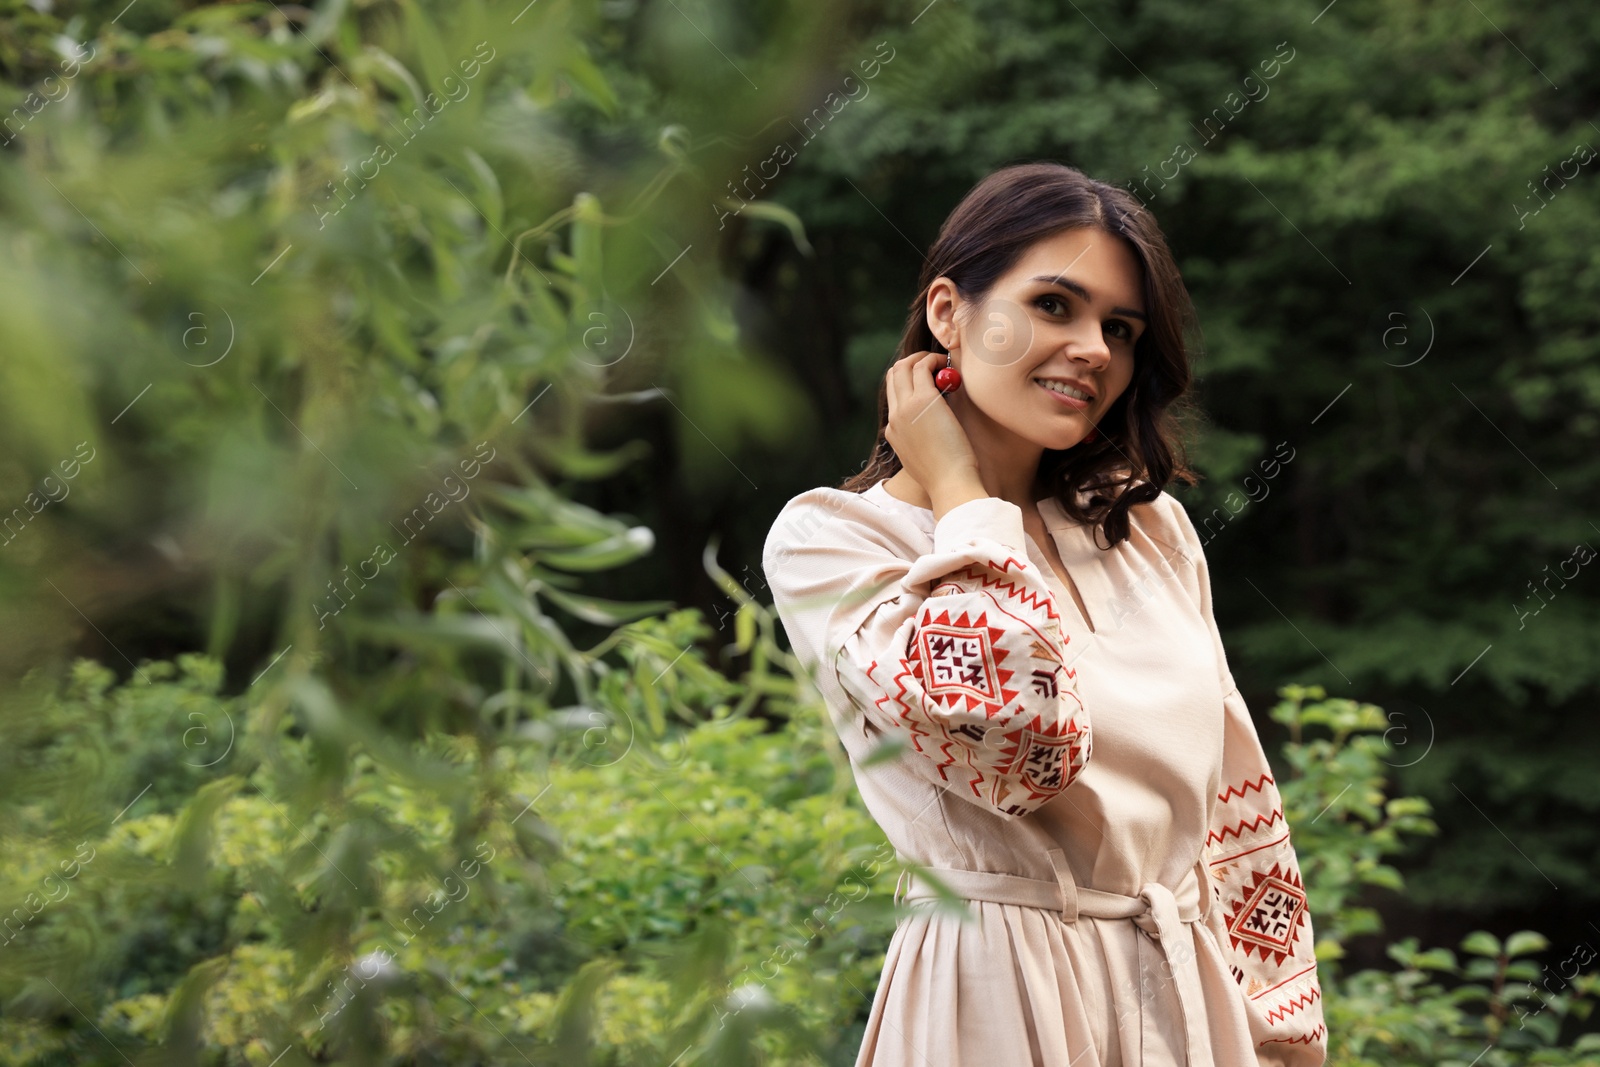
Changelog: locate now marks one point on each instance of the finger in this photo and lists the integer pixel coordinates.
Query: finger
(900, 381)
(892, 387)
(922, 377)
(905, 371)
(925, 395)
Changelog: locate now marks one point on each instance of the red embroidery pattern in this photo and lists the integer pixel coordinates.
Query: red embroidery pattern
(961, 659)
(1268, 920)
(1304, 1000)
(1316, 1037)
(1257, 888)
(1243, 828)
(1230, 792)
(981, 687)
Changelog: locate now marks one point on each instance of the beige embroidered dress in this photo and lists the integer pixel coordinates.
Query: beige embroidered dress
(1094, 788)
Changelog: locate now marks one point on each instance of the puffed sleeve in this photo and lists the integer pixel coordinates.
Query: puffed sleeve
(956, 652)
(1258, 912)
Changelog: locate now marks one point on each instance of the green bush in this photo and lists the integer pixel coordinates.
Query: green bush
(1431, 1010)
(702, 893)
(329, 734)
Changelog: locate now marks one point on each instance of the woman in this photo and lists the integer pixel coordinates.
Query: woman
(1122, 895)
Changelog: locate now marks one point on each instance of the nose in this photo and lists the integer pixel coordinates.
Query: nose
(1087, 345)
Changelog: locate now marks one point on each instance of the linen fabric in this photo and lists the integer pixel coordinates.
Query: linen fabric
(1088, 790)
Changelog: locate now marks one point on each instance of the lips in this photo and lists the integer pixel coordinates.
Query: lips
(1073, 384)
(1069, 402)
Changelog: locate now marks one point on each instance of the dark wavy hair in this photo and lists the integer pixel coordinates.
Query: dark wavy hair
(1140, 446)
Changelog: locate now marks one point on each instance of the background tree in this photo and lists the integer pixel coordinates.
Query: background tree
(396, 396)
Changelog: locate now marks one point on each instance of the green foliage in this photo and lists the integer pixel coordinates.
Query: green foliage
(312, 316)
(1499, 1007)
(1488, 1010)
(1335, 804)
(346, 719)
(236, 918)
(1327, 175)
(710, 891)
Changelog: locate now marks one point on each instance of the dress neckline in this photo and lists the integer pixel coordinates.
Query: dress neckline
(1057, 524)
(1050, 509)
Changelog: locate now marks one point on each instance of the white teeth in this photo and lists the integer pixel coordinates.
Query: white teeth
(1061, 387)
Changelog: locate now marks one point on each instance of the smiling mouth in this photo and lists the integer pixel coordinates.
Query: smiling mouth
(1065, 394)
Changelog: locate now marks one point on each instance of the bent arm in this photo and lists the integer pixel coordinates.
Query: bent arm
(958, 653)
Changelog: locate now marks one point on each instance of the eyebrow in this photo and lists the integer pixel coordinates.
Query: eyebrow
(1074, 287)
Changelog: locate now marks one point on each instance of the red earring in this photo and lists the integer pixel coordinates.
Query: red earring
(948, 379)
(1092, 436)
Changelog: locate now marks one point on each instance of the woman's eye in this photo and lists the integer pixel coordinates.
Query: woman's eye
(1125, 331)
(1050, 304)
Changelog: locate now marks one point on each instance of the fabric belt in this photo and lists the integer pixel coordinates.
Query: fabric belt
(1161, 913)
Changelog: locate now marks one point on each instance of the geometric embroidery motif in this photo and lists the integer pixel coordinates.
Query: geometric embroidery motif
(1042, 761)
(979, 721)
(1268, 919)
(959, 660)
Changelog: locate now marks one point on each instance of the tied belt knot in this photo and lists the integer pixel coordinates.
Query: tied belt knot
(1162, 914)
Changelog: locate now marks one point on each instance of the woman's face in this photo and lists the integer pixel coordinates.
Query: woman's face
(1060, 324)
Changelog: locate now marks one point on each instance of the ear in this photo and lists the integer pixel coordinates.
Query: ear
(940, 307)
